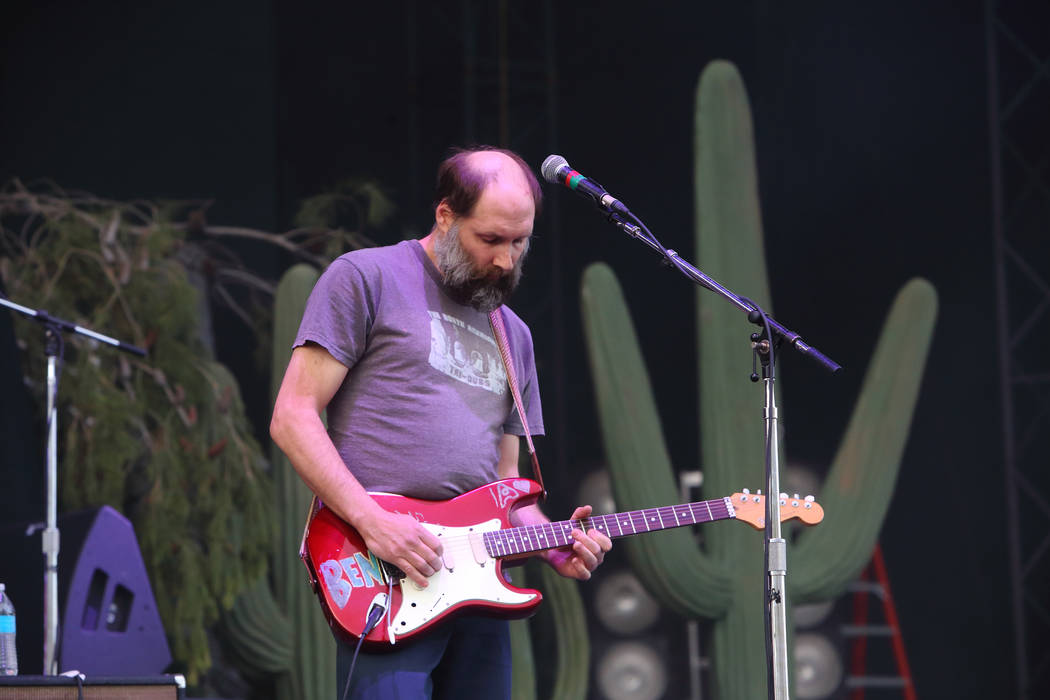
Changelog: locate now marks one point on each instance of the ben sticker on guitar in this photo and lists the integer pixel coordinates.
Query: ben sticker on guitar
(397, 344)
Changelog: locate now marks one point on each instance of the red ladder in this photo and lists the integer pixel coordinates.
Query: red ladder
(858, 680)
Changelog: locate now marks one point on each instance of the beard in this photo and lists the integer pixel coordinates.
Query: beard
(466, 282)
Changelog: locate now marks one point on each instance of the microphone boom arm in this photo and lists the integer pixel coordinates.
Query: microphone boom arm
(698, 276)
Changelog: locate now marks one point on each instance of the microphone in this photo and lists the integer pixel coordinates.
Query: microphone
(557, 170)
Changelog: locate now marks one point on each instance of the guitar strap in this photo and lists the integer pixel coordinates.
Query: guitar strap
(499, 331)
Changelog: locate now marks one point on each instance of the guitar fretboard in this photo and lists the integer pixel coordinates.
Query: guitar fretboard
(533, 538)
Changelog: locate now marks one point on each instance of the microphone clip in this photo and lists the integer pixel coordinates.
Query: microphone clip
(624, 225)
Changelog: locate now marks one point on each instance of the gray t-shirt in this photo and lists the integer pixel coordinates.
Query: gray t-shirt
(426, 401)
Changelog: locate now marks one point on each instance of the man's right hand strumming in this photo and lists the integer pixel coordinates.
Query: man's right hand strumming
(400, 540)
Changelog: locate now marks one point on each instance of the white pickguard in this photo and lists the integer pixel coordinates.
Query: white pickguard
(463, 578)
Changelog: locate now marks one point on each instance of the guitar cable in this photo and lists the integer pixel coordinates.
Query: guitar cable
(389, 597)
(376, 610)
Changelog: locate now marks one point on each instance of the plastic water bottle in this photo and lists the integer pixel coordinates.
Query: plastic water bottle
(8, 653)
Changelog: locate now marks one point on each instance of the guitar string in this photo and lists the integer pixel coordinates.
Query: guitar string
(522, 541)
(525, 541)
(530, 538)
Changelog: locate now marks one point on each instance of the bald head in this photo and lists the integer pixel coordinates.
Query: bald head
(465, 175)
(498, 169)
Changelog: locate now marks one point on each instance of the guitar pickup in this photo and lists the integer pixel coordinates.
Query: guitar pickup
(477, 546)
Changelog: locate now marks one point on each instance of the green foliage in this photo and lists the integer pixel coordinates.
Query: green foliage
(163, 439)
(361, 203)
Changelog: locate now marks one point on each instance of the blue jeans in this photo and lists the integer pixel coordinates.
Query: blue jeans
(467, 657)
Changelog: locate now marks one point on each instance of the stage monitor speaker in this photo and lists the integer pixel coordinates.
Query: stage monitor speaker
(92, 688)
(108, 619)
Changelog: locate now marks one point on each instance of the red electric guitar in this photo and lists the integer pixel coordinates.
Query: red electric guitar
(477, 538)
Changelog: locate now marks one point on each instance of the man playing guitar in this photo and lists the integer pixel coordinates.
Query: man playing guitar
(395, 344)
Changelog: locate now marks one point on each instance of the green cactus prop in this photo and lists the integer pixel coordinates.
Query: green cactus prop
(563, 609)
(259, 634)
(566, 634)
(523, 663)
(283, 632)
(724, 582)
(572, 645)
(313, 665)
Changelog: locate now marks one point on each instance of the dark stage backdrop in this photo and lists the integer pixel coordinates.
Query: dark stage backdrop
(872, 147)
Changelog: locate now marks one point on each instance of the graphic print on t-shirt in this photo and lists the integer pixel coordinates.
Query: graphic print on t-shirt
(465, 353)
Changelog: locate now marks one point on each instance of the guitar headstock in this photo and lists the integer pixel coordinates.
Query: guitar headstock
(751, 508)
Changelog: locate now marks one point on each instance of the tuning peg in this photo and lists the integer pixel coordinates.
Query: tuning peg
(758, 492)
(810, 498)
(795, 496)
(746, 491)
(783, 496)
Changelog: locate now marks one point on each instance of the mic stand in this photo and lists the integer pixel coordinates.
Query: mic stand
(764, 344)
(775, 547)
(53, 347)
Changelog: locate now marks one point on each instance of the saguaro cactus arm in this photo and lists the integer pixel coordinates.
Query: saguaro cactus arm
(634, 445)
(258, 635)
(857, 490)
(573, 645)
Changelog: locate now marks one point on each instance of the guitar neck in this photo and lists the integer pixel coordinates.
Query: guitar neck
(533, 538)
